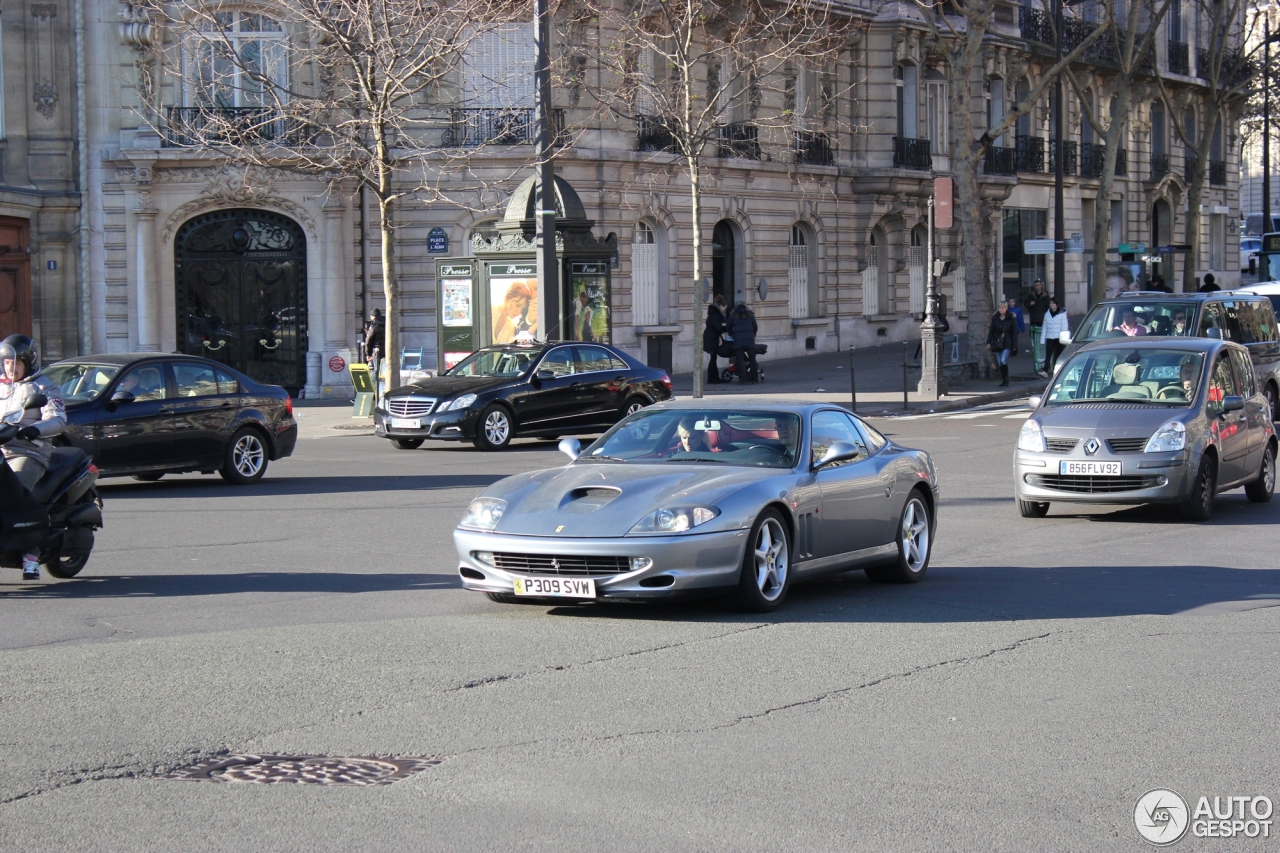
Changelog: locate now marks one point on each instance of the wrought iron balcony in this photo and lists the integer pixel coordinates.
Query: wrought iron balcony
(1069, 157)
(1092, 158)
(1179, 57)
(1218, 173)
(1159, 166)
(1035, 25)
(740, 140)
(1234, 67)
(812, 147)
(1030, 153)
(217, 127)
(653, 133)
(476, 127)
(912, 154)
(1001, 161)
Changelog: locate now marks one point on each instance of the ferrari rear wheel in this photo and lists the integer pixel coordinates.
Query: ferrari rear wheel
(766, 566)
(915, 545)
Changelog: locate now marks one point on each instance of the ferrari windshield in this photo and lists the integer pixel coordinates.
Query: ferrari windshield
(80, 382)
(1159, 377)
(494, 362)
(1138, 318)
(714, 436)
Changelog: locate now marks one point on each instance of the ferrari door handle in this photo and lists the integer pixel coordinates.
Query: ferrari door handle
(166, 410)
(888, 490)
(575, 385)
(226, 405)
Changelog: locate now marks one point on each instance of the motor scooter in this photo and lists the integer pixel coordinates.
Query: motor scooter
(57, 518)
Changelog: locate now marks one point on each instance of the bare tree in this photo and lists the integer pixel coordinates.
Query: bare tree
(357, 93)
(697, 73)
(959, 31)
(1226, 64)
(1130, 42)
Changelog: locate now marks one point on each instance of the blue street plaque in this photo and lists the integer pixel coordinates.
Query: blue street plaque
(437, 241)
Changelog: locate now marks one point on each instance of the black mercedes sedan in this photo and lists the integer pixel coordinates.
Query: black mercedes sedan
(543, 390)
(148, 414)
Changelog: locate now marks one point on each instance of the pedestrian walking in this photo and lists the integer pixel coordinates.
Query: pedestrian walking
(1157, 283)
(1002, 339)
(717, 320)
(742, 333)
(1210, 284)
(1037, 305)
(375, 336)
(1055, 324)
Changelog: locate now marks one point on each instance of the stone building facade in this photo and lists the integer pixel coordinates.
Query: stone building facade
(819, 228)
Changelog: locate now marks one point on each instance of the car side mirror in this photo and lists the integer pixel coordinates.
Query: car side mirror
(1064, 338)
(1232, 403)
(570, 447)
(842, 451)
(546, 374)
(37, 401)
(1034, 401)
(122, 397)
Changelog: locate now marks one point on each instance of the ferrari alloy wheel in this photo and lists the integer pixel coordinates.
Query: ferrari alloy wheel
(766, 566)
(915, 542)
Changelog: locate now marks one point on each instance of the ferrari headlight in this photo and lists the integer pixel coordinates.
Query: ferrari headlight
(461, 403)
(675, 519)
(484, 514)
(1031, 438)
(1171, 436)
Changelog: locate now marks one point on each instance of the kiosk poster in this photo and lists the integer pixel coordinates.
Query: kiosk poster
(587, 307)
(457, 337)
(513, 302)
(457, 301)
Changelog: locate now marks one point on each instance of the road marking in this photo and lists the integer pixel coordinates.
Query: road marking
(967, 416)
(1020, 417)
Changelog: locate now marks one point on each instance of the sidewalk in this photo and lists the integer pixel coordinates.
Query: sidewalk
(824, 377)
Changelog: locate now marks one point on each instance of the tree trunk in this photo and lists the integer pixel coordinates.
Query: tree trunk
(695, 197)
(1107, 181)
(977, 285)
(386, 209)
(1195, 193)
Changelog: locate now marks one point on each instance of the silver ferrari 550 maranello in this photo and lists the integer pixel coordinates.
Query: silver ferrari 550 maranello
(697, 498)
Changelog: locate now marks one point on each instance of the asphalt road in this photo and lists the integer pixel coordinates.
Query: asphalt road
(1044, 676)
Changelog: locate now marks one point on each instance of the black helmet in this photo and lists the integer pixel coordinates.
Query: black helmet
(21, 348)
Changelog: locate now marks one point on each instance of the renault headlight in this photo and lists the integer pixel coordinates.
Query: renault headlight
(1171, 436)
(461, 403)
(484, 514)
(675, 519)
(1031, 437)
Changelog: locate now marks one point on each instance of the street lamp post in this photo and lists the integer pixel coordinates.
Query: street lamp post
(1266, 121)
(1059, 225)
(931, 387)
(545, 221)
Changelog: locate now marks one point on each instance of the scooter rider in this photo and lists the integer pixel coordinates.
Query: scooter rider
(29, 453)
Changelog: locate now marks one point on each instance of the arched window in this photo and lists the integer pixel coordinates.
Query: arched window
(645, 289)
(908, 102)
(995, 107)
(801, 280)
(1157, 130)
(875, 290)
(230, 61)
(1086, 128)
(1024, 121)
(915, 267)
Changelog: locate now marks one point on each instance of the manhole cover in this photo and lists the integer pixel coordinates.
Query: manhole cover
(304, 769)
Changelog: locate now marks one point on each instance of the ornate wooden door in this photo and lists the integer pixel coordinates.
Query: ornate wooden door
(242, 293)
(15, 278)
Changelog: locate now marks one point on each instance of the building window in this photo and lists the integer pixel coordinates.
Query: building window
(995, 108)
(937, 124)
(908, 94)
(801, 282)
(498, 68)
(235, 54)
(1020, 269)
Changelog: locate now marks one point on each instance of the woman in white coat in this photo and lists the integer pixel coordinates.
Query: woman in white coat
(1055, 323)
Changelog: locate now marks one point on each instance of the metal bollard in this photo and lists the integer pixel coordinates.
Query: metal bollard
(853, 382)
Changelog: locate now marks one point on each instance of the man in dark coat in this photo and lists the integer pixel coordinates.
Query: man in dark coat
(1037, 304)
(1210, 285)
(711, 334)
(375, 336)
(742, 329)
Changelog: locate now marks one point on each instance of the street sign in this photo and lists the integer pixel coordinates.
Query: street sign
(363, 383)
(942, 203)
(1037, 247)
(1075, 245)
(1132, 248)
(437, 242)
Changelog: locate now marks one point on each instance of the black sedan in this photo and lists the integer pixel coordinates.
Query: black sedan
(541, 390)
(149, 415)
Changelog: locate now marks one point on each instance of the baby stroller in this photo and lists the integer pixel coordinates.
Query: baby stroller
(729, 373)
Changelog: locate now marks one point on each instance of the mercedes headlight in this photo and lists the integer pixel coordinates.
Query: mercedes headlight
(675, 519)
(1171, 436)
(484, 514)
(1031, 437)
(461, 403)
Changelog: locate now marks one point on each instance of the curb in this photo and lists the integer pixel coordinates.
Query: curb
(945, 405)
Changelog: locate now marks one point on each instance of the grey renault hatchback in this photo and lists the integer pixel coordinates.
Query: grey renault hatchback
(1157, 420)
(1246, 318)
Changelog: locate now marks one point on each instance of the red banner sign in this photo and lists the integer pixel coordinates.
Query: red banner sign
(942, 206)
